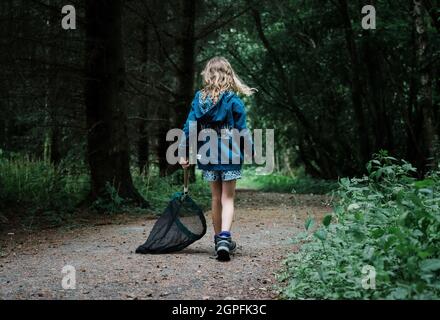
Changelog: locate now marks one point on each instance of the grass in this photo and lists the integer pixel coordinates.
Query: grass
(33, 192)
(277, 182)
(37, 185)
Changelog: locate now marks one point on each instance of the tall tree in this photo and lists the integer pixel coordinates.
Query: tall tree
(425, 106)
(108, 145)
(356, 83)
(53, 131)
(186, 72)
(143, 141)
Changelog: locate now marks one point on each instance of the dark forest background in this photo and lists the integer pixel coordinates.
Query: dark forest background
(100, 99)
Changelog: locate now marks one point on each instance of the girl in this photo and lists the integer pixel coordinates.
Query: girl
(217, 107)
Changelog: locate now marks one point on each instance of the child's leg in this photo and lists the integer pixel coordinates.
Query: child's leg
(216, 202)
(227, 202)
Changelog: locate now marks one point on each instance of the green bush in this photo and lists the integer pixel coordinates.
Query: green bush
(387, 220)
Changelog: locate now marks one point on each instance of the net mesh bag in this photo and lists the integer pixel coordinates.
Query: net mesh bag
(181, 224)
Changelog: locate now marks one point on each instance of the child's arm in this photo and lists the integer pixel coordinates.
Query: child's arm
(239, 114)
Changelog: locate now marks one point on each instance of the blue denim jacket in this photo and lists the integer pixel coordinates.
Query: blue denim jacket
(221, 117)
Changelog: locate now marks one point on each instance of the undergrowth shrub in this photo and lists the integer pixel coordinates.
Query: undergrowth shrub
(27, 183)
(387, 223)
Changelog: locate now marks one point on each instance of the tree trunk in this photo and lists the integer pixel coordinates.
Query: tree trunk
(108, 145)
(143, 143)
(356, 85)
(52, 121)
(143, 147)
(185, 90)
(412, 122)
(375, 88)
(186, 82)
(186, 44)
(425, 106)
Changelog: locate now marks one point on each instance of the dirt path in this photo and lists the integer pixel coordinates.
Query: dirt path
(107, 268)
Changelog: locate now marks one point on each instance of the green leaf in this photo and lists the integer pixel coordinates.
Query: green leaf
(353, 206)
(430, 265)
(345, 182)
(358, 216)
(376, 233)
(321, 234)
(357, 233)
(399, 293)
(321, 274)
(339, 210)
(423, 254)
(309, 223)
(327, 219)
(425, 191)
(368, 253)
(424, 183)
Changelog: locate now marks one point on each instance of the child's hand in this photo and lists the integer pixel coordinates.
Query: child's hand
(184, 163)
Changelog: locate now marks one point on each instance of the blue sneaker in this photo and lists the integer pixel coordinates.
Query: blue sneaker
(224, 247)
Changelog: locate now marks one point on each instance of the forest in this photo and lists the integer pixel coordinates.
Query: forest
(85, 112)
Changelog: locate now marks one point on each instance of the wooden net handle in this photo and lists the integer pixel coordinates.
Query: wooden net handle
(185, 181)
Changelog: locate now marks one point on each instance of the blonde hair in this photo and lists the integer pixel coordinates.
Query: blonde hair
(218, 77)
